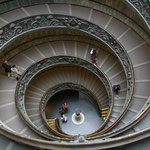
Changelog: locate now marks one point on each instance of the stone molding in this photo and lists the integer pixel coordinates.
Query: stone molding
(45, 64)
(29, 24)
(65, 86)
(143, 9)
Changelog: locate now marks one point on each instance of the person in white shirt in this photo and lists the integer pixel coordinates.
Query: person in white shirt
(64, 118)
(91, 52)
(15, 72)
(93, 56)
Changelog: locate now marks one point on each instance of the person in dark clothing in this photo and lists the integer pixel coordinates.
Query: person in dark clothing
(7, 67)
(116, 89)
(61, 111)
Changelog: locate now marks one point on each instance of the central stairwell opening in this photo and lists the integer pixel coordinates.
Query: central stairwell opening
(76, 100)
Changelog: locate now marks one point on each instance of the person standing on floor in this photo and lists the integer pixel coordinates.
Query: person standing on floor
(63, 118)
(65, 106)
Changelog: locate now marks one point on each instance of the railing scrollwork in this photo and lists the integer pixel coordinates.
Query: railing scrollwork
(143, 8)
(62, 87)
(46, 64)
(29, 24)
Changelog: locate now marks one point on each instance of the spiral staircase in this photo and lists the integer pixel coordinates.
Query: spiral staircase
(50, 43)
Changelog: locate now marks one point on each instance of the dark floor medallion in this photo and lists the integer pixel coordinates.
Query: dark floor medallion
(89, 119)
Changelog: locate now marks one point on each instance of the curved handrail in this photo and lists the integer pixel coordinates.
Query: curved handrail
(100, 144)
(93, 6)
(124, 110)
(60, 134)
(145, 109)
(142, 8)
(63, 86)
(29, 24)
(49, 62)
(58, 127)
(19, 28)
(66, 86)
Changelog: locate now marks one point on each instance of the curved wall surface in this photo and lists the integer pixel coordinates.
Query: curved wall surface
(39, 36)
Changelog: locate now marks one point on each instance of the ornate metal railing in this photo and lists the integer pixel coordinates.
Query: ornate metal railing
(45, 64)
(131, 138)
(20, 27)
(142, 7)
(138, 117)
(66, 86)
(25, 25)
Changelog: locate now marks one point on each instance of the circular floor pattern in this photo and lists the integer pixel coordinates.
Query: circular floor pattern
(78, 121)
